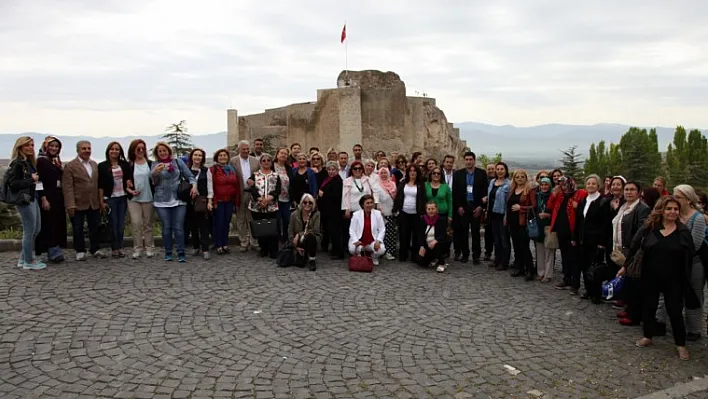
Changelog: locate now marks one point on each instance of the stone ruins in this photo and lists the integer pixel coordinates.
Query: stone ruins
(367, 107)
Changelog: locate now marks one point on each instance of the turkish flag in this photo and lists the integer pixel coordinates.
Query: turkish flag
(344, 33)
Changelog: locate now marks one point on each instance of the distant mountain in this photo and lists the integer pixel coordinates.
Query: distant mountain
(544, 142)
(209, 142)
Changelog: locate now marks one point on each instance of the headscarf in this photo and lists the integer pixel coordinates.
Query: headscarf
(44, 153)
(567, 185)
(543, 197)
(386, 182)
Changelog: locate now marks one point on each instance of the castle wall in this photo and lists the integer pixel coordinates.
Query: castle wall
(368, 107)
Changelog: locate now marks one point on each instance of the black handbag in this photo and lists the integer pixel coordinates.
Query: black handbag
(264, 228)
(105, 230)
(184, 190)
(11, 197)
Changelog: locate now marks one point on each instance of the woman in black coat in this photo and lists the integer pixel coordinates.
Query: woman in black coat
(113, 189)
(329, 202)
(52, 236)
(432, 238)
(410, 206)
(590, 237)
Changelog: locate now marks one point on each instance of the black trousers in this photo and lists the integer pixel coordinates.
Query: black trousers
(464, 226)
(654, 284)
(407, 235)
(634, 298)
(93, 218)
(488, 238)
(436, 254)
(523, 259)
(269, 245)
(344, 233)
(310, 246)
(500, 234)
(569, 257)
(198, 228)
(332, 224)
(588, 254)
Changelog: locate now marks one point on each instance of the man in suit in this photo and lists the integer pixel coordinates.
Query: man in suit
(245, 166)
(82, 200)
(469, 187)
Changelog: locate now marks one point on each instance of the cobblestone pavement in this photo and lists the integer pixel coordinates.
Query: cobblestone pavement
(237, 326)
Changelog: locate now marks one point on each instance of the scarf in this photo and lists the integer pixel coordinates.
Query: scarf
(168, 160)
(542, 200)
(430, 221)
(326, 180)
(43, 151)
(567, 185)
(386, 183)
(228, 169)
(617, 223)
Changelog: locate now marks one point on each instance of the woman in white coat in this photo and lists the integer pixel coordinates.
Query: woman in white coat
(367, 230)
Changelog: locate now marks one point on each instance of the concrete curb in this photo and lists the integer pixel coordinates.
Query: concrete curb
(16, 245)
(680, 390)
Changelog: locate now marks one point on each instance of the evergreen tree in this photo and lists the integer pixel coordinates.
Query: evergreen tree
(639, 156)
(592, 163)
(177, 137)
(614, 160)
(572, 164)
(696, 160)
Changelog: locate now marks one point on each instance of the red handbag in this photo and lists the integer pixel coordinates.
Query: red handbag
(360, 263)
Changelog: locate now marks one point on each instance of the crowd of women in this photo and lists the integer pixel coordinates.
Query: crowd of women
(389, 206)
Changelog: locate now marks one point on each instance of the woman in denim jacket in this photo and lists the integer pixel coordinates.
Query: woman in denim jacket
(497, 194)
(167, 173)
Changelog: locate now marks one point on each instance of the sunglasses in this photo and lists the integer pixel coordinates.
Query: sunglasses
(357, 168)
(307, 202)
(435, 173)
(265, 160)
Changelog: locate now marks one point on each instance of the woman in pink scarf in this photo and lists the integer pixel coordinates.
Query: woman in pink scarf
(387, 192)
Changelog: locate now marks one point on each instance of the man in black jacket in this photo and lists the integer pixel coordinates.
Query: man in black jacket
(469, 187)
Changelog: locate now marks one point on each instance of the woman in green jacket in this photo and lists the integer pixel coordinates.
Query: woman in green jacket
(439, 192)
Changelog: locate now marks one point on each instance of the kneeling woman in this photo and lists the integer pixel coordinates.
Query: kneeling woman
(666, 269)
(432, 238)
(304, 230)
(367, 230)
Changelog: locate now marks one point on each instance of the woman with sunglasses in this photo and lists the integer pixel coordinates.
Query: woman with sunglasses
(140, 199)
(304, 231)
(439, 193)
(410, 206)
(400, 166)
(264, 187)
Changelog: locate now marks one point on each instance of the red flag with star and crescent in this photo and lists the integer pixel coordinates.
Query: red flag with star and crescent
(344, 33)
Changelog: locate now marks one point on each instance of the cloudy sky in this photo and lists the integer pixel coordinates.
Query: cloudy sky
(120, 67)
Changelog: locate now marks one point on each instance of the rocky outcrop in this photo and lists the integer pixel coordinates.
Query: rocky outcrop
(367, 107)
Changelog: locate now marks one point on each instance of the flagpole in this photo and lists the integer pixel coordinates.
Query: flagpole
(346, 57)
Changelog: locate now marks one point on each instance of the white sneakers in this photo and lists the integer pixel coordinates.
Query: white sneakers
(375, 261)
(80, 256)
(441, 268)
(388, 256)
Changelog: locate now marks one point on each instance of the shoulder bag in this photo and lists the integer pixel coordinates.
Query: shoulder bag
(11, 197)
(532, 227)
(634, 264)
(265, 228)
(184, 190)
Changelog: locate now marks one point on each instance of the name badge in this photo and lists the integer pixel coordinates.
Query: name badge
(58, 183)
(39, 186)
(470, 189)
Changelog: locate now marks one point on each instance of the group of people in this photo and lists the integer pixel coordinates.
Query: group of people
(391, 206)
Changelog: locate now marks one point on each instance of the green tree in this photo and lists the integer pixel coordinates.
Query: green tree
(639, 155)
(592, 163)
(696, 160)
(572, 163)
(177, 137)
(483, 159)
(614, 160)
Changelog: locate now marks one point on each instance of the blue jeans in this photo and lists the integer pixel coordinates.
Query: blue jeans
(284, 216)
(172, 220)
(222, 222)
(31, 225)
(119, 206)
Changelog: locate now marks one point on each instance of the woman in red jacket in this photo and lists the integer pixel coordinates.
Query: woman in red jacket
(224, 193)
(564, 205)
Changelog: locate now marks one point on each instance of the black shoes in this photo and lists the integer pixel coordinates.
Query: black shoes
(518, 273)
(313, 266)
(476, 261)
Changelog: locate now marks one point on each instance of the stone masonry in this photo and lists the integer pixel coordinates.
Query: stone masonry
(367, 107)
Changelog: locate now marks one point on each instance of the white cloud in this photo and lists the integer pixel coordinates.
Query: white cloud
(117, 66)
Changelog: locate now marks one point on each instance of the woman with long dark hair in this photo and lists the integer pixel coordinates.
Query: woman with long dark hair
(410, 206)
(112, 185)
(432, 238)
(140, 190)
(197, 210)
(52, 236)
(666, 269)
(495, 202)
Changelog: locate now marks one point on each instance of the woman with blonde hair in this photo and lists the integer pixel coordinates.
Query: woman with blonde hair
(522, 200)
(304, 231)
(21, 191)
